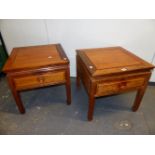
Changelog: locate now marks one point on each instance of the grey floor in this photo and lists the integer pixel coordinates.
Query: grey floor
(47, 113)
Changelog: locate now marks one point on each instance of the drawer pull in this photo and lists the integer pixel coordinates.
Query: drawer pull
(40, 79)
(122, 85)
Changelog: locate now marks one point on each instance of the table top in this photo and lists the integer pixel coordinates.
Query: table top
(22, 58)
(101, 61)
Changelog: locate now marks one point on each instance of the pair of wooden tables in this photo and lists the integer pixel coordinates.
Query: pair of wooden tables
(103, 71)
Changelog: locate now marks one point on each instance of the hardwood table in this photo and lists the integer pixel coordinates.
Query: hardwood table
(37, 66)
(112, 70)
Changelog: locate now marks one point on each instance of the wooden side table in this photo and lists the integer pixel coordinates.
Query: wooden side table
(37, 66)
(113, 70)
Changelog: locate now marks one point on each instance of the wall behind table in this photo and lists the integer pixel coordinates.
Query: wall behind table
(23, 33)
(135, 35)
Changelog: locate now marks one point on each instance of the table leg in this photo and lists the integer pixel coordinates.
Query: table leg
(18, 101)
(138, 99)
(91, 107)
(140, 94)
(77, 75)
(68, 87)
(16, 96)
(78, 80)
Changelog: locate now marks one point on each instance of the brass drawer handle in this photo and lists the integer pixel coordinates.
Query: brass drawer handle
(40, 79)
(122, 85)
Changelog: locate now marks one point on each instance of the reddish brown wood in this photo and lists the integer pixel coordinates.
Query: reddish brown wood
(37, 66)
(91, 101)
(91, 107)
(111, 60)
(113, 70)
(77, 81)
(68, 86)
(139, 96)
(34, 57)
(138, 99)
(77, 75)
(16, 96)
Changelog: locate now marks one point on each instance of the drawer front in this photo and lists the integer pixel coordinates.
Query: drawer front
(39, 80)
(107, 88)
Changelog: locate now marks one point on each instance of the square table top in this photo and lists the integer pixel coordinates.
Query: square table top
(22, 58)
(101, 61)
